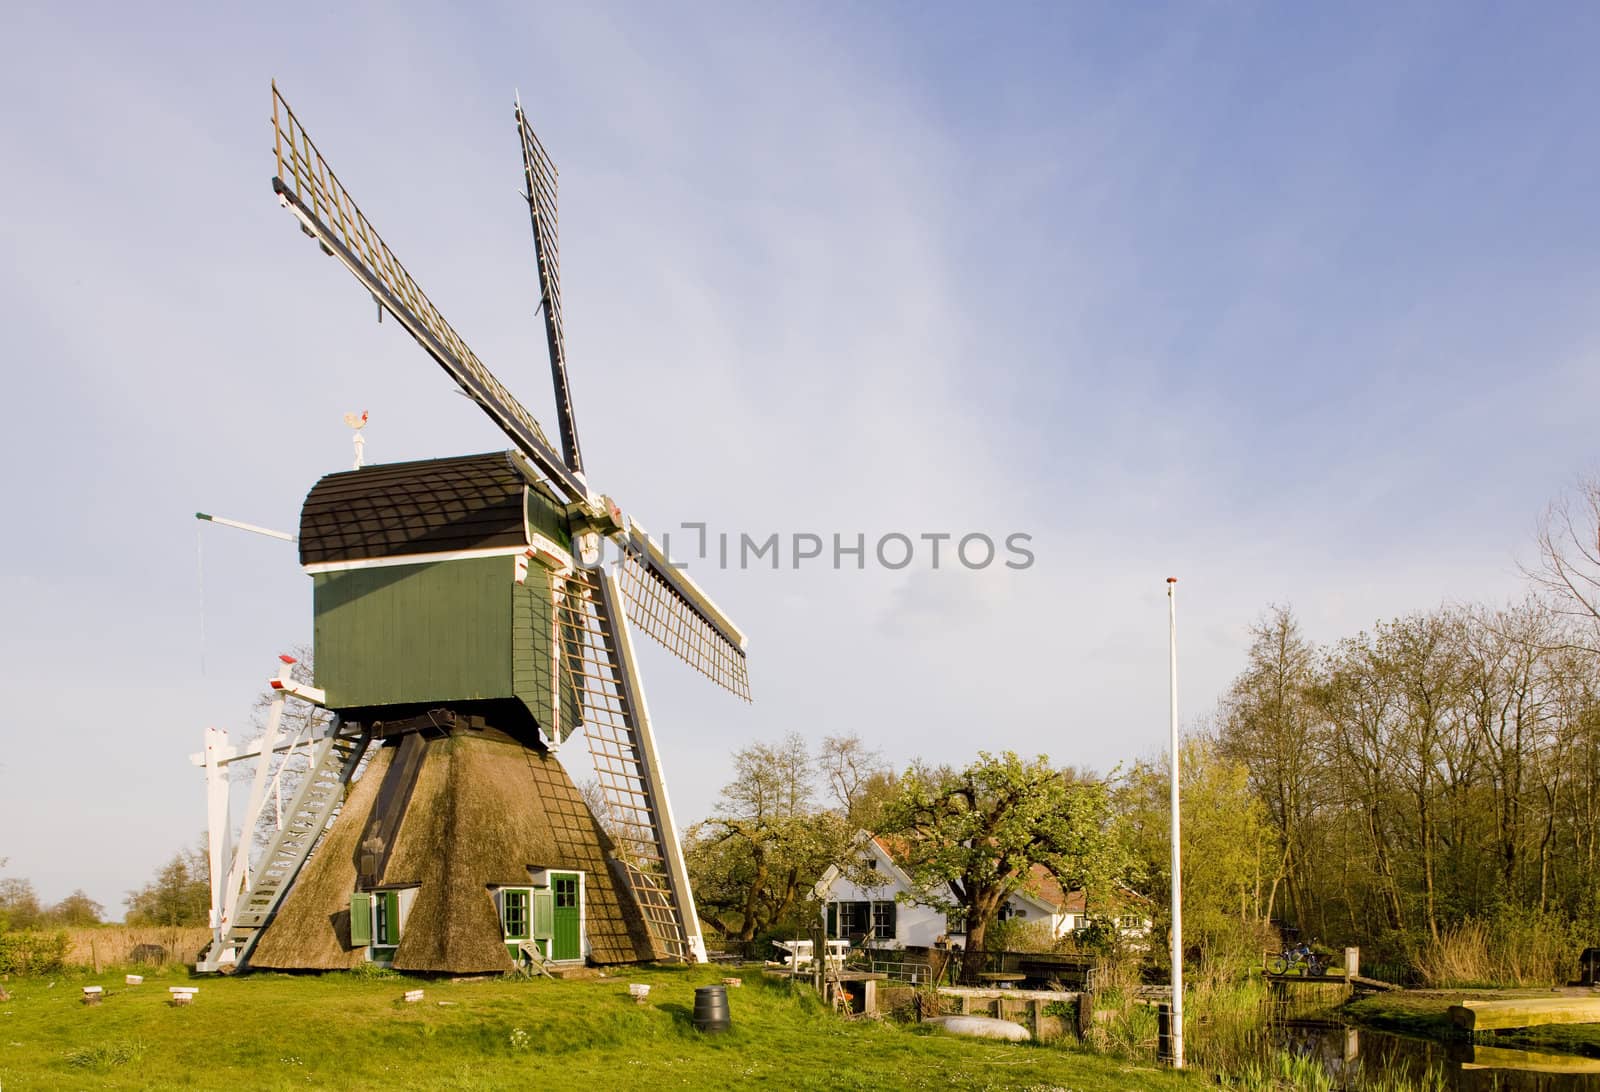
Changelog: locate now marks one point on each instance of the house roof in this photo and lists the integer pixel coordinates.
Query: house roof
(1041, 886)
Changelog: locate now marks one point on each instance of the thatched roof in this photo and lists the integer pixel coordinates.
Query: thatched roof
(485, 809)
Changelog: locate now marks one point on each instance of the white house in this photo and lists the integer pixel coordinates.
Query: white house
(856, 909)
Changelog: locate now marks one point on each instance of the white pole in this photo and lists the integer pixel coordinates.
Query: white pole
(252, 528)
(1177, 859)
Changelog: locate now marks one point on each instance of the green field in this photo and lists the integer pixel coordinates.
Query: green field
(266, 1031)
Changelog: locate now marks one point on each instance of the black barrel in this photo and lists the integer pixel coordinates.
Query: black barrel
(711, 1008)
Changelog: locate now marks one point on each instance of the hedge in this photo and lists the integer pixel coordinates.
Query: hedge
(30, 952)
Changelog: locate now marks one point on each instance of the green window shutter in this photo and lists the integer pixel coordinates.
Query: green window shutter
(833, 920)
(360, 919)
(543, 913)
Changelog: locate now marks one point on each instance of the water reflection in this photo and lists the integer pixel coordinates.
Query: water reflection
(1350, 1054)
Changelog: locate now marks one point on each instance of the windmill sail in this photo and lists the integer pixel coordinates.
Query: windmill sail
(672, 610)
(597, 654)
(539, 175)
(307, 186)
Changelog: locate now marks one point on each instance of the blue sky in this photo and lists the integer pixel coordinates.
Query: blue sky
(1295, 306)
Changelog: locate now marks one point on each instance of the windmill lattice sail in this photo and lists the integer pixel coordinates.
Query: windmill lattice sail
(539, 175)
(326, 210)
(664, 608)
(595, 656)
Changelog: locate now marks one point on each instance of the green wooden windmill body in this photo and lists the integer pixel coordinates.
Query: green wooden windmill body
(425, 593)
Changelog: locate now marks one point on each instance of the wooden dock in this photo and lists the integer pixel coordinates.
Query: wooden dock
(1524, 1012)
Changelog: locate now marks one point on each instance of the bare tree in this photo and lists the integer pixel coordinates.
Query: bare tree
(1569, 555)
(859, 780)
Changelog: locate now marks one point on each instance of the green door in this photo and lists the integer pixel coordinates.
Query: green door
(565, 939)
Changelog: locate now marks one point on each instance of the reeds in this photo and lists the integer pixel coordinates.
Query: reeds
(99, 946)
(1510, 948)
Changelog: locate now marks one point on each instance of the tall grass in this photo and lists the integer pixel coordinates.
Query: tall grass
(1510, 948)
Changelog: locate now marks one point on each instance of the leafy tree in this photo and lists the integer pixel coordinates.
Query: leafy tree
(19, 905)
(753, 862)
(1230, 847)
(180, 894)
(79, 909)
(1269, 725)
(976, 834)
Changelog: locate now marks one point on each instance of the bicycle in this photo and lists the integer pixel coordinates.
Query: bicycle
(1301, 956)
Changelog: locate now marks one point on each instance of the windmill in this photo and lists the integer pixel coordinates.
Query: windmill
(468, 621)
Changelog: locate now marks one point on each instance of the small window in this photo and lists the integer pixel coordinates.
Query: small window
(955, 921)
(514, 913)
(566, 891)
(883, 920)
(849, 919)
(385, 919)
(871, 863)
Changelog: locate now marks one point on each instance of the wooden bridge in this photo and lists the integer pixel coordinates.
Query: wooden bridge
(1357, 982)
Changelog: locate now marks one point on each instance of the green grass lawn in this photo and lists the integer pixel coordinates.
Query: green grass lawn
(267, 1031)
(1426, 1013)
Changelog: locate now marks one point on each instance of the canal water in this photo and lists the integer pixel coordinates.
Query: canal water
(1349, 1053)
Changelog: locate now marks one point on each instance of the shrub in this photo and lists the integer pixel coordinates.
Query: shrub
(29, 952)
(1012, 935)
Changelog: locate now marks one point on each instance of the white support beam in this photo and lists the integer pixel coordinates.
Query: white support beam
(219, 829)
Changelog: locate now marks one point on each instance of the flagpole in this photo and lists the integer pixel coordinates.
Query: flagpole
(1177, 860)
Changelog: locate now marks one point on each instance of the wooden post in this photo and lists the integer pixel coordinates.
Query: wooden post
(819, 956)
(1085, 1013)
(1035, 1011)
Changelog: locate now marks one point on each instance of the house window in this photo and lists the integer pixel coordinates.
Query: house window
(385, 920)
(883, 920)
(849, 919)
(514, 916)
(871, 864)
(955, 921)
